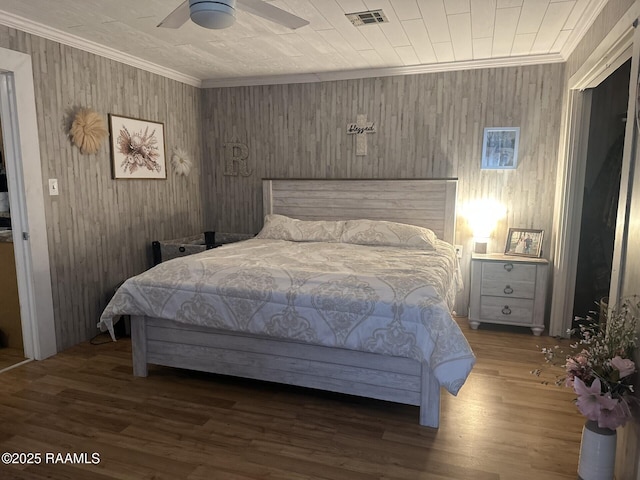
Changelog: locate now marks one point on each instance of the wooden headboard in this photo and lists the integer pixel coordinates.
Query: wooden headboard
(427, 203)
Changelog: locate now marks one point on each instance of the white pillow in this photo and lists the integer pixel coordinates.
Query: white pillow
(391, 234)
(281, 227)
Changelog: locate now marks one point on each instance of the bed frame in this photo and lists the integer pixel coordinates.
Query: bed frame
(429, 203)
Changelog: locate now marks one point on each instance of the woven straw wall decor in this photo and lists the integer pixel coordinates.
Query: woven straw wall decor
(88, 131)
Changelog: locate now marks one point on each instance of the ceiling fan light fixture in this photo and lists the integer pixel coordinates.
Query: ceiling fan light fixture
(213, 14)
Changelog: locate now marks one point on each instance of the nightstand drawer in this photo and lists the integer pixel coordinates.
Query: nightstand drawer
(508, 288)
(507, 310)
(508, 271)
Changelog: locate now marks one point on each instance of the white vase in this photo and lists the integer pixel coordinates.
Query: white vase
(597, 452)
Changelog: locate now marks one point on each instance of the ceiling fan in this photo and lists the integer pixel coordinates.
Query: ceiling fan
(222, 13)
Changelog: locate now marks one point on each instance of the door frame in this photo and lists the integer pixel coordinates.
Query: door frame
(569, 199)
(627, 176)
(615, 49)
(26, 197)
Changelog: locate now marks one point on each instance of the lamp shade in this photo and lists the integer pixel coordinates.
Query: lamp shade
(482, 216)
(213, 15)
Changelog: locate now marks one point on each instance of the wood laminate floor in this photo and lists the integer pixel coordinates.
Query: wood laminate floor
(504, 424)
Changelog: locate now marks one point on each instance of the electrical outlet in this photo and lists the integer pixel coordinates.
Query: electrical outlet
(458, 250)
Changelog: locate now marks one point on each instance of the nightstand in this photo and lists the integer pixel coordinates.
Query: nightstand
(508, 290)
(164, 250)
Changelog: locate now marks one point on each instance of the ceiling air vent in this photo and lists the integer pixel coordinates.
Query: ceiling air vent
(370, 17)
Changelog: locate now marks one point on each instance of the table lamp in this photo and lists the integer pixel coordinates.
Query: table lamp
(483, 216)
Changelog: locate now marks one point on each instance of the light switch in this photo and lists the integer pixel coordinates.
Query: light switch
(53, 186)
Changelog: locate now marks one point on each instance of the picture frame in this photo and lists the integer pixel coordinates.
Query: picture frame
(500, 148)
(525, 242)
(137, 148)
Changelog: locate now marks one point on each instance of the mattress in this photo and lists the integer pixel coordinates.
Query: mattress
(386, 300)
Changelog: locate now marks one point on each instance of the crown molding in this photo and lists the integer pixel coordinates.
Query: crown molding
(581, 29)
(28, 26)
(615, 49)
(383, 72)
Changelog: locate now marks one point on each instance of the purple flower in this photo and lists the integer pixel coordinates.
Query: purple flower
(614, 417)
(577, 366)
(582, 358)
(590, 399)
(625, 366)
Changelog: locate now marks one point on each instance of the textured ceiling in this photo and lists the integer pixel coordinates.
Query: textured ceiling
(422, 35)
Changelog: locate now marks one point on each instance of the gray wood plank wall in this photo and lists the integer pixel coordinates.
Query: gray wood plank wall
(428, 126)
(99, 230)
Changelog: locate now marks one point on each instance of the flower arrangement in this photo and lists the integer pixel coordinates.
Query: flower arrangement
(140, 150)
(600, 365)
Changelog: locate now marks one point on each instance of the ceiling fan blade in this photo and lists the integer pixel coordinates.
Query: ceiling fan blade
(178, 17)
(270, 12)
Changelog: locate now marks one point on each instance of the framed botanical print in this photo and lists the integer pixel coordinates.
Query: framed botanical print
(137, 148)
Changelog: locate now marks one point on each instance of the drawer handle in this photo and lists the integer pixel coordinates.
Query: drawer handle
(506, 310)
(508, 267)
(181, 249)
(508, 290)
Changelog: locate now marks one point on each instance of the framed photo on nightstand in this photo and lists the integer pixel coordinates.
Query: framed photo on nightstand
(524, 242)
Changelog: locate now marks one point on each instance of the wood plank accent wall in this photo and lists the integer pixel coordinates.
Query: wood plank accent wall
(428, 126)
(99, 229)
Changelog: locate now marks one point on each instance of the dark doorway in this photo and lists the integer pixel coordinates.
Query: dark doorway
(602, 185)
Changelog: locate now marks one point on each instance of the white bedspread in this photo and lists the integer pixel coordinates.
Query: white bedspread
(392, 301)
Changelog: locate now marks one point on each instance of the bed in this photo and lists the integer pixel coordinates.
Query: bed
(320, 299)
